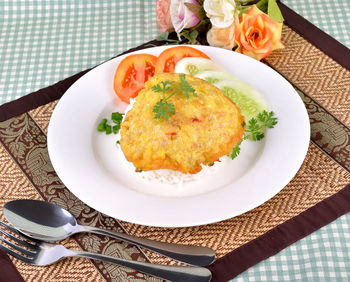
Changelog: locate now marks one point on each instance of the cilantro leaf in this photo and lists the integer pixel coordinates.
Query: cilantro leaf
(157, 88)
(255, 129)
(267, 119)
(186, 87)
(253, 125)
(257, 136)
(166, 86)
(236, 150)
(163, 109)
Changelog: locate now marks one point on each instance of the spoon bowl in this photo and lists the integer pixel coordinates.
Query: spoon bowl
(40, 220)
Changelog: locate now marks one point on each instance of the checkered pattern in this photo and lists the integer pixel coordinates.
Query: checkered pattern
(333, 17)
(322, 256)
(42, 42)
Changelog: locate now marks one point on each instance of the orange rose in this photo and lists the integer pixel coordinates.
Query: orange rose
(257, 35)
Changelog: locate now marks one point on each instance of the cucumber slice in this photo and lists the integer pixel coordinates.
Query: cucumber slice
(214, 76)
(247, 98)
(193, 65)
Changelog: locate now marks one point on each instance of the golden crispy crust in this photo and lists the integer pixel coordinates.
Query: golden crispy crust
(203, 128)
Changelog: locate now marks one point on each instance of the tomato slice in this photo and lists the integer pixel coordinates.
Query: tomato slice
(131, 75)
(169, 57)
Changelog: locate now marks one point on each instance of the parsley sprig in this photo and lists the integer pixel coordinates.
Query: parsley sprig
(255, 129)
(162, 109)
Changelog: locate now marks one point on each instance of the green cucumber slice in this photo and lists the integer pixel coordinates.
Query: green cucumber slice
(193, 65)
(215, 76)
(247, 98)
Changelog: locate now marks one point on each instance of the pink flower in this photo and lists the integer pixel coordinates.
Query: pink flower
(182, 14)
(163, 15)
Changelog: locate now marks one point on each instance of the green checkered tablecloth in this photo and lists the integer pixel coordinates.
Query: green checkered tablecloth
(42, 42)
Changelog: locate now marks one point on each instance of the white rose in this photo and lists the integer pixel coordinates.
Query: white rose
(220, 12)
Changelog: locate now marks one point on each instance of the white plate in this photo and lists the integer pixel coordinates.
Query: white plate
(91, 165)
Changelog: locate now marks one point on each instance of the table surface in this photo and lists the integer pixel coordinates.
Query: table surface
(42, 43)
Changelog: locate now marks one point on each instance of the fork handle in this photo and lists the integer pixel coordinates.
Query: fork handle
(172, 273)
(195, 255)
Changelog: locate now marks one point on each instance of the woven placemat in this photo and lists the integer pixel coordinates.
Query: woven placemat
(312, 199)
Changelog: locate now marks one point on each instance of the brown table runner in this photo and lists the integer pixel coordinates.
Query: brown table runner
(315, 196)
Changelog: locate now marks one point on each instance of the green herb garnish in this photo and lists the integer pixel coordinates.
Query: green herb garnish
(236, 150)
(162, 109)
(104, 126)
(117, 117)
(108, 129)
(255, 129)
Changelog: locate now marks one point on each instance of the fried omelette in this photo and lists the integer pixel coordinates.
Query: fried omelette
(203, 129)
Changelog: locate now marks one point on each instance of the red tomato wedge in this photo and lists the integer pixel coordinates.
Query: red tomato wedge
(169, 57)
(131, 75)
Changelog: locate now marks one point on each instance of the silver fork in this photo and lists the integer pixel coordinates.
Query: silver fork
(41, 253)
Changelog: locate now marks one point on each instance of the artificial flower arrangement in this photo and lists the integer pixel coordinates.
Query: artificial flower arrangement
(251, 29)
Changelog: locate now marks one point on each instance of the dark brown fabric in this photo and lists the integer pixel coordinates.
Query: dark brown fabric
(37, 98)
(281, 236)
(8, 272)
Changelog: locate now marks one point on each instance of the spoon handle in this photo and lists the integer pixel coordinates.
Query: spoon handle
(172, 273)
(195, 255)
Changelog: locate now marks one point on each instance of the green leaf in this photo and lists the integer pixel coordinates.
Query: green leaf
(236, 150)
(267, 119)
(262, 5)
(191, 36)
(253, 125)
(186, 87)
(274, 11)
(157, 88)
(271, 8)
(163, 109)
(257, 136)
(164, 36)
(108, 129)
(116, 128)
(117, 117)
(102, 125)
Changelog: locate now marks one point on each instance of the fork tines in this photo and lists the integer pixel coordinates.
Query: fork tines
(26, 254)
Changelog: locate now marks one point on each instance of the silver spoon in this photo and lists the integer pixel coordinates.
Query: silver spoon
(49, 222)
